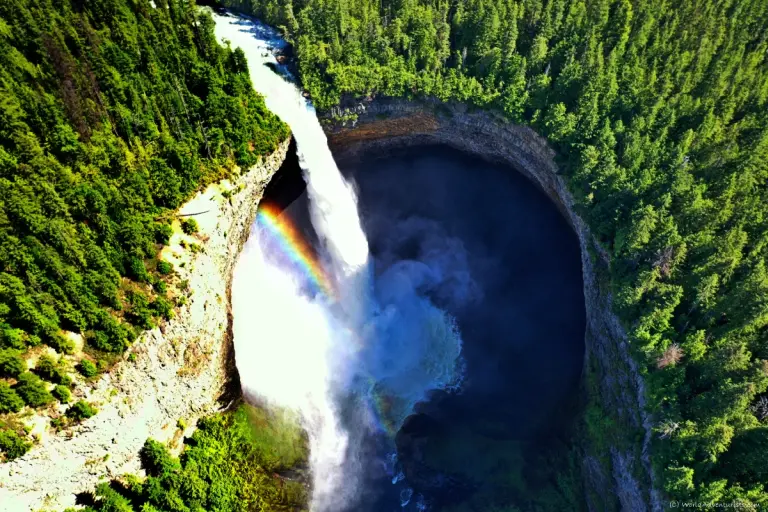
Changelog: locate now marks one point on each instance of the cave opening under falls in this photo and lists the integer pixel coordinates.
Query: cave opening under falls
(511, 277)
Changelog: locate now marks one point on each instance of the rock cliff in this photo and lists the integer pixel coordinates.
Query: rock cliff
(179, 371)
(619, 477)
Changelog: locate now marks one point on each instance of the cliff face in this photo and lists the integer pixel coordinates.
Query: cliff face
(618, 475)
(181, 370)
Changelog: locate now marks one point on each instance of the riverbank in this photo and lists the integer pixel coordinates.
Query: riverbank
(172, 376)
(616, 448)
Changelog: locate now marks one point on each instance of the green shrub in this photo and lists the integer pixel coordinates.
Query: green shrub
(33, 390)
(80, 410)
(52, 370)
(99, 340)
(156, 460)
(163, 233)
(62, 394)
(60, 343)
(189, 226)
(160, 287)
(12, 445)
(87, 368)
(46, 367)
(162, 308)
(111, 335)
(164, 267)
(139, 314)
(10, 401)
(12, 338)
(64, 379)
(137, 270)
(112, 501)
(11, 363)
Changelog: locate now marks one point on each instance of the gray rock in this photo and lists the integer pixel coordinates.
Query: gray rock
(60, 466)
(389, 124)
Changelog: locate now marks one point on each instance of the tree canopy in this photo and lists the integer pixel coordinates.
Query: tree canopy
(111, 114)
(230, 463)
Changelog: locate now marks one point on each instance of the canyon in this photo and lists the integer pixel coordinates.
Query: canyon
(389, 125)
(183, 368)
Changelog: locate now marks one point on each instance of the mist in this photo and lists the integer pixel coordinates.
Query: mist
(316, 328)
(508, 269)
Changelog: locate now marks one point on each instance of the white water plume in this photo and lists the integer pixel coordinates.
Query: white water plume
(382, 344)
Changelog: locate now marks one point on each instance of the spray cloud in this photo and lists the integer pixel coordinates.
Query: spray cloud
(314, 330)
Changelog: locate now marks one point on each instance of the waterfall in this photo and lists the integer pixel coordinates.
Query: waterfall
(316, 331)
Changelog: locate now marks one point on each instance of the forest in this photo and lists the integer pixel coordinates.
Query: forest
(657, 110)
(232, 462)
(112, 113)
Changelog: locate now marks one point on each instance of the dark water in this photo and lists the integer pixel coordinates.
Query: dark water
(514, 285)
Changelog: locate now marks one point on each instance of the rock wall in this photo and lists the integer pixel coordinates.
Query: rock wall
(181, 369)
(622, 478)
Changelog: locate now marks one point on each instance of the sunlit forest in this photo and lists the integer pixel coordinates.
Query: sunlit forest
(112, 113)
(229, 463)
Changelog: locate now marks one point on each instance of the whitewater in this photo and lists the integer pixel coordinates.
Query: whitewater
(353, 355)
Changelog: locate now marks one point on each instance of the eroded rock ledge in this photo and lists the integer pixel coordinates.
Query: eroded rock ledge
(623, 477)
(180, 370)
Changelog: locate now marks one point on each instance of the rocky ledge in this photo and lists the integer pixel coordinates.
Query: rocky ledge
(179, 371)
(620, 477)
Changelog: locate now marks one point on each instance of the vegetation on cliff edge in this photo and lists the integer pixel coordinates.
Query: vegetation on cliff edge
(231, 463)
(112, 113)
(659, 114)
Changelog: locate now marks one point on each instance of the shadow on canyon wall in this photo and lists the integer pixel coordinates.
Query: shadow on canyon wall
(512, 278)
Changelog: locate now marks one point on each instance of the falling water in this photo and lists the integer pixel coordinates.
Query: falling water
(373, 345)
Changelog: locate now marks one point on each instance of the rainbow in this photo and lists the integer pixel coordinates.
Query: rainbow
(294, 247)
(379, 407)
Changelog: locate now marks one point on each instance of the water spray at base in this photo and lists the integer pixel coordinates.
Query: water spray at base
(316, 329)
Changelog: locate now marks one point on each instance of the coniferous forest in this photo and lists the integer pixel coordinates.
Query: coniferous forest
(228, 464)
(112, 113)
(659, 113)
